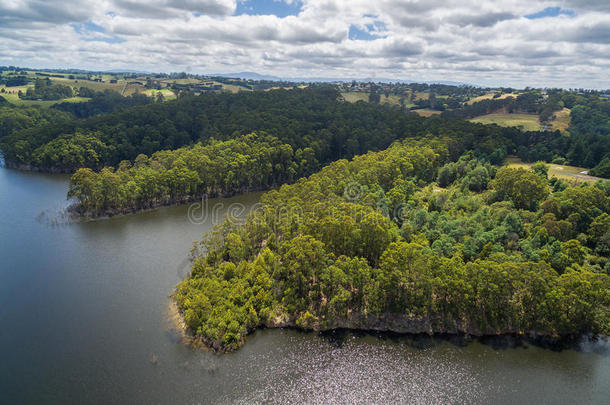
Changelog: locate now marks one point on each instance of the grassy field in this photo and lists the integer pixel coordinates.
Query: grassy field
(121, 86)
(420, 95)
(232, 87)
(425, 112)
(561, 120)
(13, 98)
(353, 97)
(391, 99)
(167, 93)
(490, 96)
(99, 86)
(528, 122)
(564, 172)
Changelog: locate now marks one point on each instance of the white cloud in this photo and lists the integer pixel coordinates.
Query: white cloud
(484, 42)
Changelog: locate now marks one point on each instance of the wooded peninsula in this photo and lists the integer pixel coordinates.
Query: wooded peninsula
(376, 219)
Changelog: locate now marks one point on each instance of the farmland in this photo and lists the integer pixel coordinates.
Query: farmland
(123, 83)
(490, 96)
(528, 122)
(565, 172)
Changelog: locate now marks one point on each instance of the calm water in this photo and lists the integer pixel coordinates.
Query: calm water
(84, 319)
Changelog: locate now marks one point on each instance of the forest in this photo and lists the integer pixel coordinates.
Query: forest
(218, 168)
(313, 117)
(409, 240)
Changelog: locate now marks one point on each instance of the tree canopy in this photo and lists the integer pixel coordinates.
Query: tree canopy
(374, 243)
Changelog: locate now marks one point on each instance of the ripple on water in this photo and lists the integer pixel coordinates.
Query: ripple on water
(360, 371)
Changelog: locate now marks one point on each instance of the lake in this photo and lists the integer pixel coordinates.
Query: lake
(85, 319)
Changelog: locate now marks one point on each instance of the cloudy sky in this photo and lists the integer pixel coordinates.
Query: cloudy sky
(562, 43)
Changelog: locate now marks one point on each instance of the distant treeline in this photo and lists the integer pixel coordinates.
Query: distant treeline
(314, 118)
(13, 81)
(300, 118)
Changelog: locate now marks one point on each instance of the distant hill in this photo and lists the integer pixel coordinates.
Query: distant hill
(248, 76)
(142, 72)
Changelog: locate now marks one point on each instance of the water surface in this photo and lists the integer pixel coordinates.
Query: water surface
(84, 316)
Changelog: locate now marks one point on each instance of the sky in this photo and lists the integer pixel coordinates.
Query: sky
(564, 43)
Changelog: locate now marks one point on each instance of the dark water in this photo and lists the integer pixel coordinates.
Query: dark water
(84, 319)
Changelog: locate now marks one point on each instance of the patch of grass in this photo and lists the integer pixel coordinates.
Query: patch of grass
(353, 97)
(76, 99)
(182, 81)
(420, 95)
(96, 86)
(14, 99)
(528, 122)
(168, 94)
(394, 99)
(489, 96)
(232, 87)
(564, 172)
(561, 120)
(425, 112)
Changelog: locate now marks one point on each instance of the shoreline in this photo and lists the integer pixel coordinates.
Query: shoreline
(544, 340)
(73, 213)
(175, 321)
(29, 168)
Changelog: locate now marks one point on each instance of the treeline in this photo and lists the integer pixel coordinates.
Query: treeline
(302, 118)
(14, 81)
(44, 89)
(375, 243)
(218, 168)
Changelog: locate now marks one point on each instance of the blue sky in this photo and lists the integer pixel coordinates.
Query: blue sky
(551, 12)
(90, 32)
(268, 7)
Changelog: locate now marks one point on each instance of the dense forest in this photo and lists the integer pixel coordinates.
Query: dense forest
(409, 240)
(15, 119)
(314, 118)
(218, 168)
(301, 118)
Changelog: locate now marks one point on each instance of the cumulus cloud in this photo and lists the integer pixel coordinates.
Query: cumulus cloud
(483, 42)
(171, 8)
